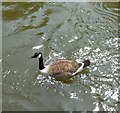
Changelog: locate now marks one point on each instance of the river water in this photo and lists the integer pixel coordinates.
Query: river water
(74, 31)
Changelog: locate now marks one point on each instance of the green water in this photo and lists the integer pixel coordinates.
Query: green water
(74, 31)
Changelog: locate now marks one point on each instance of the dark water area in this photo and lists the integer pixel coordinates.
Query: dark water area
(74, 31)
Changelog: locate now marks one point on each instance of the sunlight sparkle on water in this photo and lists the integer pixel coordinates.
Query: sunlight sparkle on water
(37, 47)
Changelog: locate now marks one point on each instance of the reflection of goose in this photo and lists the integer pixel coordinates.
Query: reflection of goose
(60, 69)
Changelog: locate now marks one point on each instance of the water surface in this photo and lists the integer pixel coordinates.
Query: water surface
(74, 31)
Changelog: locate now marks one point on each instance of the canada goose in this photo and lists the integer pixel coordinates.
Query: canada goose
(60, 69)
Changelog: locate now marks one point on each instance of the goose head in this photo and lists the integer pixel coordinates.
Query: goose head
(37, 55)
(40, 57)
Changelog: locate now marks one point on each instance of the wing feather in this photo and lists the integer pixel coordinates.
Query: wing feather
(63, 67)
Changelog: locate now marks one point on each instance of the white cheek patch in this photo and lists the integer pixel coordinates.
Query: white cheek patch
(39, 56)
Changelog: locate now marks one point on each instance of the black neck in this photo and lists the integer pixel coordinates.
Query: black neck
(41, 65)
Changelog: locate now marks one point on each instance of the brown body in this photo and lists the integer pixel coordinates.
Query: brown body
(63, 69)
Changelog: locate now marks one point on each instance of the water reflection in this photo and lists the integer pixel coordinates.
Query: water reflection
(86, 31)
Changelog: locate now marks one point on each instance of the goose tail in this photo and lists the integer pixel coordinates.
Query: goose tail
(86, 63)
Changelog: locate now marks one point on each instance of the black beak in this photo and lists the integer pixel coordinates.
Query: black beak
(35, 55)
(32, 57)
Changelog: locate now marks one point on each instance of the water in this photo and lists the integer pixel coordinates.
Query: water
(75, 31)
